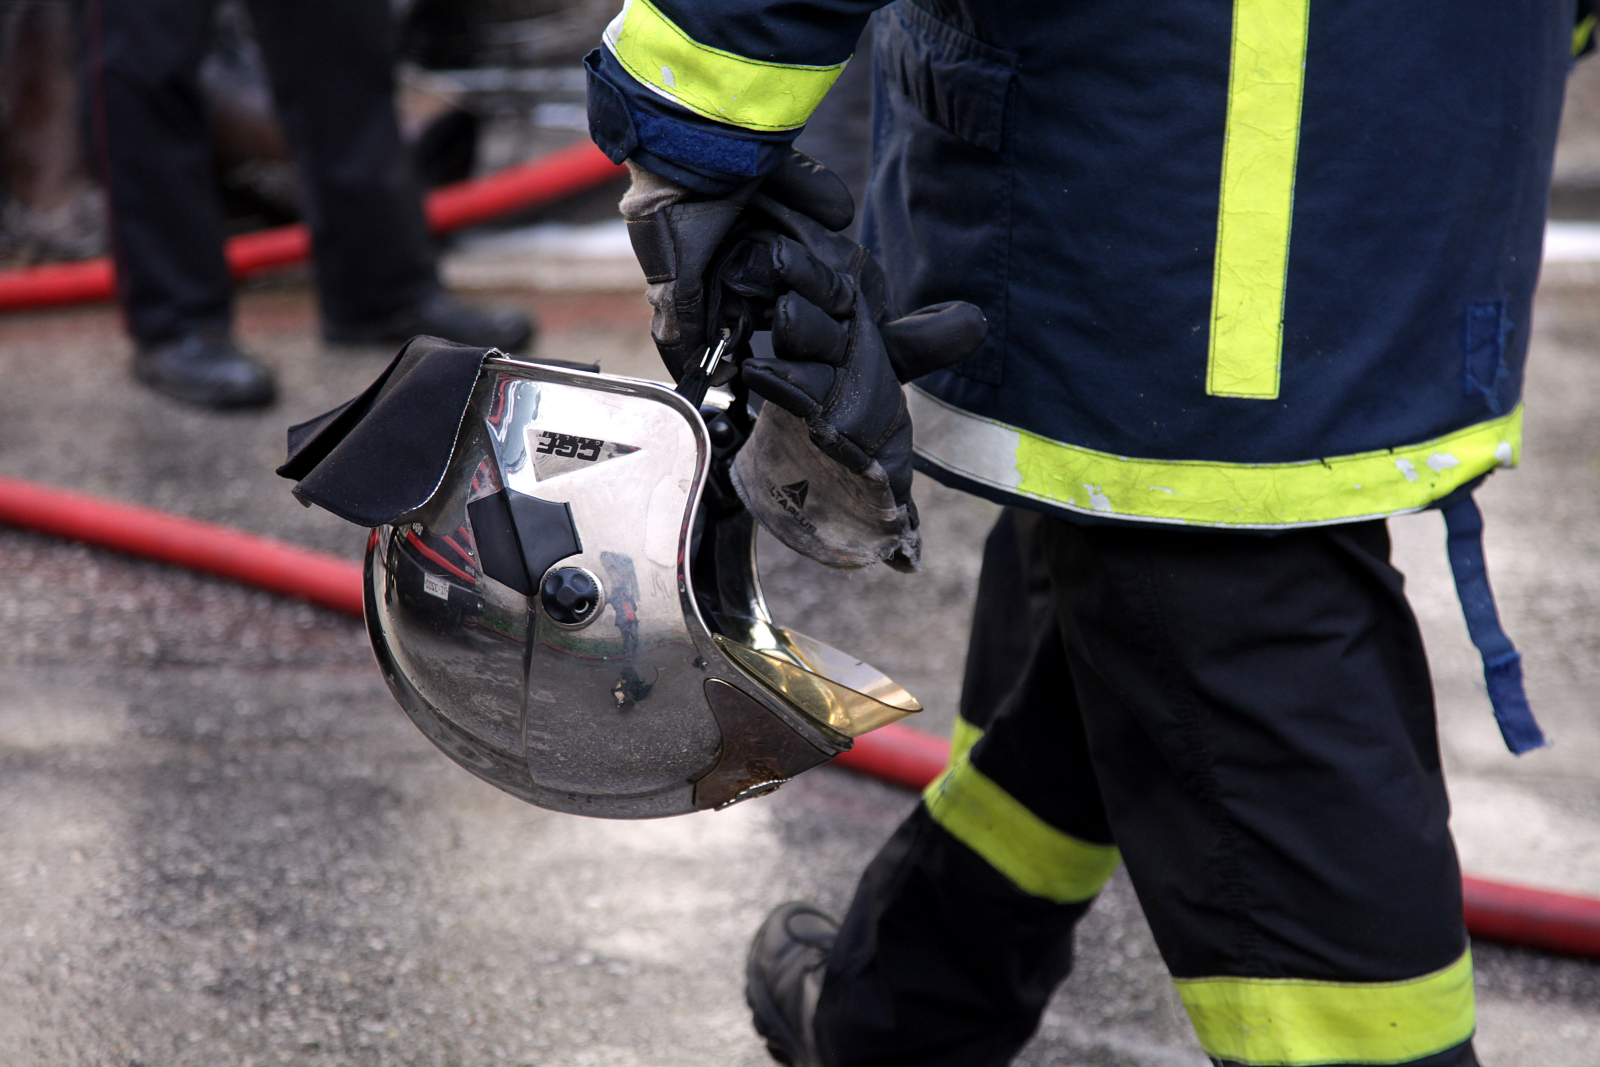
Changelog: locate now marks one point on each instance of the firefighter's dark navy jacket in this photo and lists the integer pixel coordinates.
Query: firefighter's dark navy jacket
(1257, 264)
(1246, 263)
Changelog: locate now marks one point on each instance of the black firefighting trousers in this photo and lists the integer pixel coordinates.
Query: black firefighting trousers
(1246, 722)
(332, 69)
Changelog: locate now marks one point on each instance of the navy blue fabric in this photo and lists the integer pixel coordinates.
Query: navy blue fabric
(1486, 332)
(1088, 237)
(816, 33)
(610, 118)
(1502, 663)
(698, 148)
(1059, 165)
(629, 121)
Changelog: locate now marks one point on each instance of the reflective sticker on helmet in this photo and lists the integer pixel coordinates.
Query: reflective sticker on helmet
(555, 453)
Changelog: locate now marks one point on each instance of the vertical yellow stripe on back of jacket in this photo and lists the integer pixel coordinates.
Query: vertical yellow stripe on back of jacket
(1265, 84)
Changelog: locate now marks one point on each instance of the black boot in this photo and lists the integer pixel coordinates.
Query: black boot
(205, 369)
(783, 979)
(439, 315)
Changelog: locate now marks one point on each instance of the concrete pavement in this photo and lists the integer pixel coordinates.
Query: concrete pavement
(222, 843)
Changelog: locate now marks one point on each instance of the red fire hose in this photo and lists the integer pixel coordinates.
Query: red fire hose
(898, 755)
(201, 546)
(1537, 918)
(517, 188)
(1519, 915)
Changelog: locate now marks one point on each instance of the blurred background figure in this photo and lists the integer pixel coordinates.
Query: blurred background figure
(52, 209)
(331, 67)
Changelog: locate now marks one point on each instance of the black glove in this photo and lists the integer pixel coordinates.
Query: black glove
(933, 338)
(827, 468)
(682, 238)
(836, 363)
(843, 378)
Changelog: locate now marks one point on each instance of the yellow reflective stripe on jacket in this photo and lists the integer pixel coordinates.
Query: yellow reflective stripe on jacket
(710, 82)
(962, 737)
(1582, 34)
(1039, 859)
(1315, 492)
(1262, 139)
(1287, 1022)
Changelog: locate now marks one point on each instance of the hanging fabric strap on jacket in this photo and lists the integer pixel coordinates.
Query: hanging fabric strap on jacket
(1502, 663)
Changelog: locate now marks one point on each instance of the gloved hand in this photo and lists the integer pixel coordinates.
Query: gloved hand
(680, 237)
(836, 371)
(843, 377)
(836, 363)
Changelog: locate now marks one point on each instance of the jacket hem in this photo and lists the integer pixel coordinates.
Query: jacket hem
(1031, 470)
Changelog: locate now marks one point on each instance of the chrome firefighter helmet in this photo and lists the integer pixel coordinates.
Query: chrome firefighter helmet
(575, 615)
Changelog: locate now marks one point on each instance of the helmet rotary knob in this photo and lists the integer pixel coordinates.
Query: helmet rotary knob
(570, 595)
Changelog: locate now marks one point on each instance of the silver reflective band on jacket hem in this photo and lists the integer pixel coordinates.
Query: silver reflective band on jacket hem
(1314, 492)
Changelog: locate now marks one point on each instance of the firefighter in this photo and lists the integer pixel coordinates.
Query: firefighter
(332, 68)
(1256, 275)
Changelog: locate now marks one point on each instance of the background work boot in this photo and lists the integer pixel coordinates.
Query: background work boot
(204, 369)
(784, 978)
(439, 315)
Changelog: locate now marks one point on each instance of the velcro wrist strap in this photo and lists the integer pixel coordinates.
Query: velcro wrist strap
(653, 246)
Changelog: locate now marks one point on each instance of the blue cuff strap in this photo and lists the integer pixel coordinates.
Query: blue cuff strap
(1502, 663)
(628, 121)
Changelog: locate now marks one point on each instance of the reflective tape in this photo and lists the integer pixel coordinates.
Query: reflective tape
(1314, 492)
(962, 737)
(1037, 858)
(1285, 1021)
(1261, 141)
(710, 82)
(984, 450)
(1582, 34)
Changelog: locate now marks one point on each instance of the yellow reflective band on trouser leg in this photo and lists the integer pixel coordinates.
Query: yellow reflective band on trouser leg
(1261, 141)
(1039, 859)
(1255, 496)
(1582, 34)
(710, 82)
(962, 737)
(1283, 1022)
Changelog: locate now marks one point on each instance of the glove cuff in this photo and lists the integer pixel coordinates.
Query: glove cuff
(649, 192)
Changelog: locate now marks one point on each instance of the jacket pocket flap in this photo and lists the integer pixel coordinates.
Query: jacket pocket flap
(954, 79)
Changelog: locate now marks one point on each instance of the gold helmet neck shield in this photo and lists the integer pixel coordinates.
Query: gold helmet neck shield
(575, 614)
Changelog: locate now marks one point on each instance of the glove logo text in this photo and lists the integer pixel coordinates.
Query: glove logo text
(791, 498)
(796, 492)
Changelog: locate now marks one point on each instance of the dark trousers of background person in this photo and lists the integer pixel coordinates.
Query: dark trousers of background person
(1250, 720)
(331, 64)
